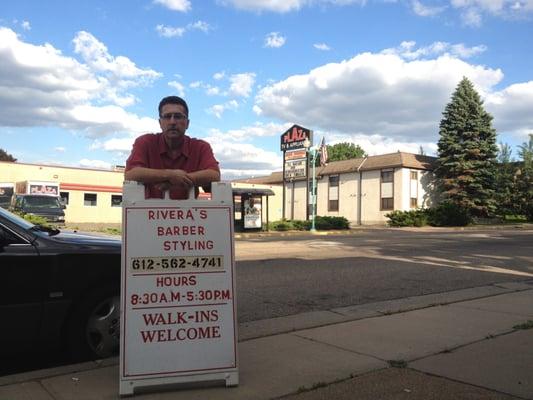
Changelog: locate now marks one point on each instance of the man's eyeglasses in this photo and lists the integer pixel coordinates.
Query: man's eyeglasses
(176, 116)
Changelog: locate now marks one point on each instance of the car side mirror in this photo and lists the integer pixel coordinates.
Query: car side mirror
(63, 206)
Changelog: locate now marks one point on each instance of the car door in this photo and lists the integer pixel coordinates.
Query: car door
(22, 287)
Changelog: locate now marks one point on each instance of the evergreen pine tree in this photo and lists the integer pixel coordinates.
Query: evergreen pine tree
(505, 196)
(467, 151)
(524, 182)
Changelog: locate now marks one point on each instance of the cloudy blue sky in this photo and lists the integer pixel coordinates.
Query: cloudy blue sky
(79, 80)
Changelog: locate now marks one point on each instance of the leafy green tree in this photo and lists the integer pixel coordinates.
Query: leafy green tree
(467, 151)
(524, 182)
(5, 156)
(344, 151)
(505, 182)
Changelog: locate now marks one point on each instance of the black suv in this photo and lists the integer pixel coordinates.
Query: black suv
(58, 288)
(47, 206)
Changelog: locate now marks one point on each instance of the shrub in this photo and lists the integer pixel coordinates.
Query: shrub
(325, 223)
(449, 214)
(321, 223)
(34, 219)
(301, 225)
(418, 217)
(280, 225)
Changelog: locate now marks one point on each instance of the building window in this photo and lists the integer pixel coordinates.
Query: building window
(413, 188)
(89, 199)
(387, 190)
(64, 197)
(333, 198)
(116, 200)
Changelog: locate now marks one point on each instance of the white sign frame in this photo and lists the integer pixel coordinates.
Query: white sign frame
(161, 324)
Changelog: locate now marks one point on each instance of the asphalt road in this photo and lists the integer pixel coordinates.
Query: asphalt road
(278, 276)
(285, 275)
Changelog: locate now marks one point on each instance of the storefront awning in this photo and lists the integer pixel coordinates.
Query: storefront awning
(253, 191)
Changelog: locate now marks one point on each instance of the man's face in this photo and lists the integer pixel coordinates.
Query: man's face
(173, 121)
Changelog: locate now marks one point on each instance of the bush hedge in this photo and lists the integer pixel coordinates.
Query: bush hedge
(445, 214)
(321, 223)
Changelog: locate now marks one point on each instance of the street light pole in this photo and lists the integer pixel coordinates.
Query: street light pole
(313, 152)
(313, 190)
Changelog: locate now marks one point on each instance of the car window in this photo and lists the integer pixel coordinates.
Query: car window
(7, 237)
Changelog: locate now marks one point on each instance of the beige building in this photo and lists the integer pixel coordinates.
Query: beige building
(90, 195)
(363, 190)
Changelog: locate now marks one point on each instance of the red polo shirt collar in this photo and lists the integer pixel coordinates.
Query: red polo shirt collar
(184, 149)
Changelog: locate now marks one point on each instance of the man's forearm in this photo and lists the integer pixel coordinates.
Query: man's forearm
(147, 175)
(204, 177)
(151, 175)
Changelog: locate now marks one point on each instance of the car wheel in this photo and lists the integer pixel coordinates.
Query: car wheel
(94, 329)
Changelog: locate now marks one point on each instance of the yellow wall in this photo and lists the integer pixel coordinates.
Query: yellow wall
(76, 211)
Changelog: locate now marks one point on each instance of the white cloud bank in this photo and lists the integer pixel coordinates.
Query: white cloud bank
(393, 97)
(175, 5)
(57, 90)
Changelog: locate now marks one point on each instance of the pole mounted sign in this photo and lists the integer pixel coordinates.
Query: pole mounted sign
(294, 138)
(178, 312)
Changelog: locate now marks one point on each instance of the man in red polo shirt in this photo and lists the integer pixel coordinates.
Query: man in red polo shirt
(171, 160)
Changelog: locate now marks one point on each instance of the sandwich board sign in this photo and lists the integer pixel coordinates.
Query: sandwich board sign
(178, 306)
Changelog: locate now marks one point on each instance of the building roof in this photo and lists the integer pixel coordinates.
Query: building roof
(392, 160)
(273, 178)
(398, 159)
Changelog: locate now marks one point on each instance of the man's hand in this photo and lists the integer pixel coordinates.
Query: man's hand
(180, 178)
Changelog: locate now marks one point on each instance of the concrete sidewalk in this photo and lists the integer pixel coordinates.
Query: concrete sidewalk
(465, 344)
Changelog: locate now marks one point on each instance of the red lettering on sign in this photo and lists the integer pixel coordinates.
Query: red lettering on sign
(169, 335)
(170, 214)
(295, 135)
(170, 245)
(162, 281)
(180, 230)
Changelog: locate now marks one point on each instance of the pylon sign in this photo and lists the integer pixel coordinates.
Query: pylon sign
(294, 138)
(178, 307)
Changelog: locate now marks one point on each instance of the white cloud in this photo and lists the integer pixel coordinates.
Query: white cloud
(25, 25)
(94, 164)
(374, 94)
(175, 5)
(511, 108)
(169, 31)
(60, 91)
(219, 75)
(253, 131)
(180, 89)
(241, 84)
(321, 46)
(408, 51)
(195, 84)
(121, 145)
(242, 156)
(283, 6)
(177, 31)
(424, 10)
(473, 11)
(212, 90)
(280, 6)
(274, 40)
(200, 25)
(60, 149)
(218, 109)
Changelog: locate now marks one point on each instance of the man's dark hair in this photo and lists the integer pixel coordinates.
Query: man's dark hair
(173, 100)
